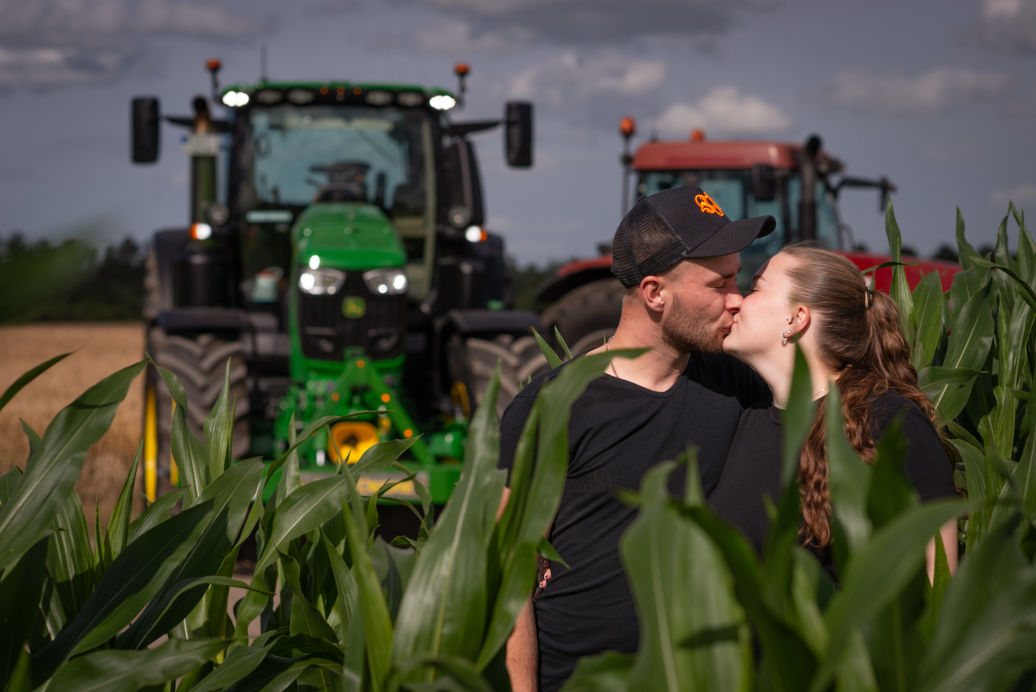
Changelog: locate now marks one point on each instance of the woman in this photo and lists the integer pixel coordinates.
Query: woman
(851, 337)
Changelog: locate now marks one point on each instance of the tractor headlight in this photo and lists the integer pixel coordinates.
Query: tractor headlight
(386, 282)
(321, 282)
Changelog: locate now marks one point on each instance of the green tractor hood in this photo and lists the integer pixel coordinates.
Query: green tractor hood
(347, 235)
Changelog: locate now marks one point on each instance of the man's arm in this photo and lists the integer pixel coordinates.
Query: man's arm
(522, 652)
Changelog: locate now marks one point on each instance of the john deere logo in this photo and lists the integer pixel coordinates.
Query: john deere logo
(354, 307)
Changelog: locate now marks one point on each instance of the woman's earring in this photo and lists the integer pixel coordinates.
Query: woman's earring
(785, 335)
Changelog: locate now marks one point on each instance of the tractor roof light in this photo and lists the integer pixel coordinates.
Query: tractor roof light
(476, 234)
(442, 102)
(628, 126)
(235, 99)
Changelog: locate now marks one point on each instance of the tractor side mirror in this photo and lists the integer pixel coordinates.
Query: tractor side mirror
(144, 115)
(518, 133)
(764, 182)
(464, 189)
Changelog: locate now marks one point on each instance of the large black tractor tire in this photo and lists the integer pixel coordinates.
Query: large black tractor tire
(199, 364)
(586, 316)
(473, 360)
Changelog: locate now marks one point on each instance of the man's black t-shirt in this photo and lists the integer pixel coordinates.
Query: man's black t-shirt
(618, 430)
(753, 467)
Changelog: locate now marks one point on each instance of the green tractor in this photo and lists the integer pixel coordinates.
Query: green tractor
(336, 262)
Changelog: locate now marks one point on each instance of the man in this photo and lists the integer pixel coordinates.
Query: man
(676, 254)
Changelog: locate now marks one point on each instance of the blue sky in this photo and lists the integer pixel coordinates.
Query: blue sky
(939, 96)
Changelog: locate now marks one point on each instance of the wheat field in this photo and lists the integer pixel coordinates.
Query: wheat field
(98, 349)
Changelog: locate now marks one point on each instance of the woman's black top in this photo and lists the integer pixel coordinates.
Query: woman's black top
(753, 466)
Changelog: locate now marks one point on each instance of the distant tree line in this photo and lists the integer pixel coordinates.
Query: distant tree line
(69, 280)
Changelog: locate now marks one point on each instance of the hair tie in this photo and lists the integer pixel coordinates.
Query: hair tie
(868, 298)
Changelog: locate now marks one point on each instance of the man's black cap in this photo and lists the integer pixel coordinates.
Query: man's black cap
(666, 227)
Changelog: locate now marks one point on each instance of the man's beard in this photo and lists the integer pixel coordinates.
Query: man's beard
(683, 333)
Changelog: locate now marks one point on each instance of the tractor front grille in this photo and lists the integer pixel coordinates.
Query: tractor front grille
(326, 332)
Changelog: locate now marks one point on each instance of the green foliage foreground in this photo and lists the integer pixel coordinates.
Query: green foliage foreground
(145, 602)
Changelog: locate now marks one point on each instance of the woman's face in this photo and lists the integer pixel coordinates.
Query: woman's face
(764, 313)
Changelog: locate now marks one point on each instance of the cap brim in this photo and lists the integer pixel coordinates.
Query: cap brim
(734, 237)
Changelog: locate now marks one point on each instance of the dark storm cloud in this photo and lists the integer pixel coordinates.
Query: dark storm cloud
(48, 43)
(596, 21)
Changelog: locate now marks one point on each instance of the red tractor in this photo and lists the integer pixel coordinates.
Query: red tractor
(798, 184)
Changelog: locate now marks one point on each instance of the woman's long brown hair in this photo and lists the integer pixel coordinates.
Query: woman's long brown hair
(860, 340)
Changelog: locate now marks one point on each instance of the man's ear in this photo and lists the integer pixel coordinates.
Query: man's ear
(651, 292)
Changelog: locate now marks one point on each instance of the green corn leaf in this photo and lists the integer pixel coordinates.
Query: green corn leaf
(787, 660)
(553, 359)
(876, 573)
(190, 455)
(690, 631)
(377, 624)
(301, 512)
(535, 491)
(237, 490)
(381, 455)
(987, 627)
(965, 252)
(119, 521)
(20, 592)
(900, 290)
(32, 437)
(971, 337)
(1002, 251)
(219, 426)
(346, 604)
(52, 470)
(608, 672)
(157, 512)
(291, 479)
(1025, 475)
(28, 377)
(849, 479)
(133, 578)
(1026, 251)
(274, 466)
(948, 388)
(455, 673)
(9, 483)
(21, 679)
(171, 603)
(565, 351)
(444, 611)
(928, 317)
(797, 418)
(71, 564)
(239, 663)
(1025, 290)
(128, 671)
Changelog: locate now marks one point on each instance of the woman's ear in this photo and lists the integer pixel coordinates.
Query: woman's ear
(800, 319)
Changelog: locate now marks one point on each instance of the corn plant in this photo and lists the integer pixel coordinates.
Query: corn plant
(145, 602)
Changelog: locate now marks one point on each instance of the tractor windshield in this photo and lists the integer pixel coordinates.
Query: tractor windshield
(292, 155)
(732, 190)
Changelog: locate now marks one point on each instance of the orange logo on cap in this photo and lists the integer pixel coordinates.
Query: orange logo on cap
(707, 204)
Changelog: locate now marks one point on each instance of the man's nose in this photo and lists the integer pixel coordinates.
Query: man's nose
(734, 300)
